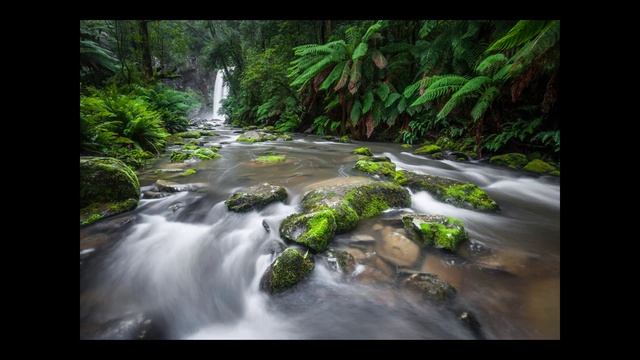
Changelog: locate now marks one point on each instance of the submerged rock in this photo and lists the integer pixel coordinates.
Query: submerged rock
(430, 287)
(255, 197)
(341, 260)
(512, 160)
(154, 194)
(270, 158)
(398, 249)
(107, 187)
(289, 268)
(435, 230)
(372, 199)
(451, 191)
(169, 186)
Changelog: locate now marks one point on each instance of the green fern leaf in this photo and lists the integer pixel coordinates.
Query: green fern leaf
(483, 103)
(368, 101)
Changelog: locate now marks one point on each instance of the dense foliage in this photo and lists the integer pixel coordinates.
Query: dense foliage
(479, 86)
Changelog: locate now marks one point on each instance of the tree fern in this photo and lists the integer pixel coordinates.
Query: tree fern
(441, 87)
(522, 32)
(333, 76)
(490, 63)
(483, 103)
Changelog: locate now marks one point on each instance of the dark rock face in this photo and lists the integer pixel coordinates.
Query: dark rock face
(255, 197)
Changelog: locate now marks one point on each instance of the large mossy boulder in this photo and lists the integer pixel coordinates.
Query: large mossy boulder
(430, 287)
(313, 230)
(289, 268)
(451, 191)
(335, 206)
(541, 167)
(107, 187)
(435, 230)
(376, 166)
(512, 160)
(255, 197)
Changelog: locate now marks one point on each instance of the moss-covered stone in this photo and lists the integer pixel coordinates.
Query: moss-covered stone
(540, 167)
(512, 160)
(205, 154)
(451, 191)
(363, 151)
(344, 139)
(97, 211)
(372, 199)
(189, 134)
(201, 153)
(314, 230)
(269, 128)
(375, 166)
(208, 133)
(188, 172)
(430, 287)
(271, 159)
(289, 268)
(106, 180)
(406, 146)
(191, 146)
(256, 136)
(437, 156)
(427, 149)
(285, 137)
(438, 231)
(255, 197)
(555, 173)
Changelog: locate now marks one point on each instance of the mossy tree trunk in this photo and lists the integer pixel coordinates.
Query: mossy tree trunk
(146, 52)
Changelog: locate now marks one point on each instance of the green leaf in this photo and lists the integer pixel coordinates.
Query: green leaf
(344, 77)
(383, 91)
(368, 101)
(402, 105)
(333, 76)
(355, 112)
(360, 51)
(391, 99)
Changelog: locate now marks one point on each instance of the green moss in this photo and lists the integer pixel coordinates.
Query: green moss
(436, 230)
(246, 139)
(285, 137)
(344, 139)
(206, 154)
(289, 268)
(98, 211)
(346, 218)
(384, 168)
(540, 167)
(105, 179)
(179, 156)
(189, 134)
(255, 197)
(555, 173)
(191, 147)
(91, 219)
(400, 177)
(188, 172)
(363, 151)
(268, 128)
(437, 156)
(406, 146)
(270, 159)
(371, 199)
(471, 194)
(428, 149)
(314, 230)
(512, 160)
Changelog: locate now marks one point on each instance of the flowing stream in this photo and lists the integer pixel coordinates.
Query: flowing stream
(183, 267)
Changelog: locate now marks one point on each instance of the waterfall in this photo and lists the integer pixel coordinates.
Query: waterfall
(220, 92)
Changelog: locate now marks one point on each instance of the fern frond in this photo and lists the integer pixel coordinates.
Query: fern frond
(490, 63)
(483, 103)
(333, 76)
(520, 33)
(427, 28)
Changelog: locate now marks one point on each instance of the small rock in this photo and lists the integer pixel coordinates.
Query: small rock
(154, 194)
(266, 226)
(430, 287)
(398, 249)
(255, 197)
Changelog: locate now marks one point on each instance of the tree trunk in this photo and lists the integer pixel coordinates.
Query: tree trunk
(479, 137)
(146, 53)
(327, 30)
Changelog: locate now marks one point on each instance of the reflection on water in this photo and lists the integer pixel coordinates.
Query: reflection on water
(184, 267)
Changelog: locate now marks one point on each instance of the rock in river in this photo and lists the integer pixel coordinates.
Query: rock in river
(289, 268)
(255, 197)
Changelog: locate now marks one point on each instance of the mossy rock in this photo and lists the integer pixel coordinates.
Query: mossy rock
(189, 134)
(107, 187)
(285, 137)
(188, 172)
(540, 167)
(206, 154)
(376, 166)
(255, 197)
(372, 199)
(104, 179)
(314, 230)
(430, 287)
(555, 173)
(346, 218)
(201, 153)
(437, 156)
(512, 160)
(406, 146)
(344, 139)
(171, 187)
(270, 158)
(269, 128)
(289, 268)
(191, 146)
(363, 151)
(439, 231)
(465, 195)
(251, 127)
(428, 149)
(255, 136)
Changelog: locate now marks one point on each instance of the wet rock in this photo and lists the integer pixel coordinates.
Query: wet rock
(171, 187)
(363, 151)
(512, 160)
(107, 187)
(430, 287)
(427, 149)
(541, 167)
(435, 230)
(457, 156)
(465, 195)
(341, 260)
(266, 226)
(255, 197)
(314, 230)
(364, 238)
(177, 206)
(131, 327)
(470, 321)
(376, 166)
(344, 139)
(154, 194)
(189, 134)
(371, 275)
(253, 136)
(289, 268)
(398, 249)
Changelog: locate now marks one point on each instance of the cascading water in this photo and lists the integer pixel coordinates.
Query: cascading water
(183, 267)
(220, 92)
